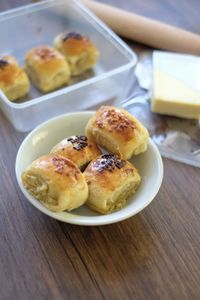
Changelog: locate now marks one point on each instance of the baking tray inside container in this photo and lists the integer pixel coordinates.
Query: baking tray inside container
(38, 24)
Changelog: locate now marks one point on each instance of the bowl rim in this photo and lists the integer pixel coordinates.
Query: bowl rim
(69, 217)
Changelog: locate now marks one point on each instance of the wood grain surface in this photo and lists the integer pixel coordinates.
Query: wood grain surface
(154, 255)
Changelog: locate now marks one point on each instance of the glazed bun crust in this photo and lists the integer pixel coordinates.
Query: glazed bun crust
(47, 68)
(13, 80)
(79, 51)
(118, 131)
(77, 148)
(111, 182)
(56, 182)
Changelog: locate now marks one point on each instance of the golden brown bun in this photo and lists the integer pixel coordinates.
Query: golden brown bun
(57, 182)
(78, 50)
(47, 68)
(13, 80)
(118, 131)
(111, 182)
(77, 148)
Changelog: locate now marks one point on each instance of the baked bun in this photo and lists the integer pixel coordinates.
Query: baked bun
(13, 80)
(118, 131)
(78, 50)
(111, 182)
(77, 148)
(57, 182)
(47, 68)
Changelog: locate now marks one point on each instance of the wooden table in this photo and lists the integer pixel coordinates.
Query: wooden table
(154, 255)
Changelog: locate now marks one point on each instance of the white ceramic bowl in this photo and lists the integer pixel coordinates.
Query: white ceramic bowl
(46, 135)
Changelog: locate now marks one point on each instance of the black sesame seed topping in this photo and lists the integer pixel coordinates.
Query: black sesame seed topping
(120, 164)
(83, 138)
(109, 162)
(72, 35)
(3, 63)
(78, 142)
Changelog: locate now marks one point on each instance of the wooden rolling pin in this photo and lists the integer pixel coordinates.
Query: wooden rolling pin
(145, 30)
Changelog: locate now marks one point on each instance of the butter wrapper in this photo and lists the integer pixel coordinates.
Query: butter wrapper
(177, 138)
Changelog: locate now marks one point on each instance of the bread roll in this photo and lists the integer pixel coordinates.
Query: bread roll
(79, 51)
(111, 182)
(118, 131)
(47, 68)
(77, 148)
(13, 80)
(56, 182)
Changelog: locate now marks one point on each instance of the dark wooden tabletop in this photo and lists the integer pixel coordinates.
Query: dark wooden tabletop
(153, 255)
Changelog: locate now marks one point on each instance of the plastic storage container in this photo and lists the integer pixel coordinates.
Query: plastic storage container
(37, 24)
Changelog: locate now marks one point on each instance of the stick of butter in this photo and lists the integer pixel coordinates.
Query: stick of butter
(176, 85)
